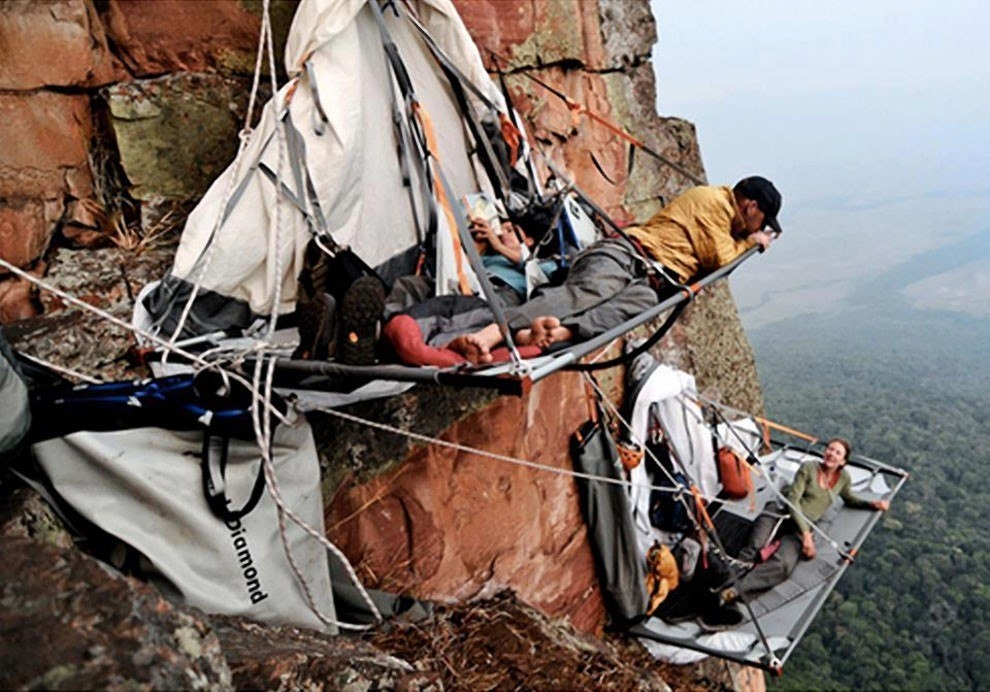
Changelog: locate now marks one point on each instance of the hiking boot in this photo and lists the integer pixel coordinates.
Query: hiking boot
(360, 312)
(317, 324)
(720, 619)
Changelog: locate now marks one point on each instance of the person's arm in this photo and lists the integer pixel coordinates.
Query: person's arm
(711, 235)
(794, 496)
(851, 499)
(507, 244)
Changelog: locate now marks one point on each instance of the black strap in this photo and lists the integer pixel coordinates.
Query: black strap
(214, 467)
(407, 128)
(642, 348)
(598, 165)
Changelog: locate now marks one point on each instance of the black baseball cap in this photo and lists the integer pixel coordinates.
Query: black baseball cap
(766, 196)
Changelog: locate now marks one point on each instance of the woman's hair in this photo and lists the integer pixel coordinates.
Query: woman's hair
(845, 443)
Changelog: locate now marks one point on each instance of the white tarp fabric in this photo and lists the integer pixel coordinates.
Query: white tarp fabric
(743, 435)
(335, 55)
(144, 486)
(688, 436)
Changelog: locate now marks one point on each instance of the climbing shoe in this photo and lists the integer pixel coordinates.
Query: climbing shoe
(720, 619)
(676, 609)
(317, 324)
(360, 314)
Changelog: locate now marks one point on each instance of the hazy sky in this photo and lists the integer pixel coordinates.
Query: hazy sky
(872, 117)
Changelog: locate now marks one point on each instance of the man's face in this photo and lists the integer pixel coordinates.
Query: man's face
(753, 219)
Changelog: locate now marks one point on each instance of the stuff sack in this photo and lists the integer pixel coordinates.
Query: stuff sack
(144, 487)
(671, 504)
(606, 511)
(662, 575)
(668, 511)
(735, 474)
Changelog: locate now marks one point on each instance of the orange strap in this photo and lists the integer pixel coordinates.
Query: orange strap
(591, 400)
(431, 144)
(512, 137)
(699, 508)
(784, 428)
(703, 518)
(765, 429)
(579, 109)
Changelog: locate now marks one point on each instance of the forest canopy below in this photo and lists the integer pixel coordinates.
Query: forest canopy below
(911, 389)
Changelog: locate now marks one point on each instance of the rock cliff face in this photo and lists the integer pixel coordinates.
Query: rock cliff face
(114, 117)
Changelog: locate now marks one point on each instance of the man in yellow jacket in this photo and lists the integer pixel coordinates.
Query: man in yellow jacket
(699, 231)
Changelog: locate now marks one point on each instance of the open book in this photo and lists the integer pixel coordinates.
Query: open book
(480, 206)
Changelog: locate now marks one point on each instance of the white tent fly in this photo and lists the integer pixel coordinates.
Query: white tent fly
(350, 151)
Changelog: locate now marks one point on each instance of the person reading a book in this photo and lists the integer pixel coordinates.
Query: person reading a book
(505, 249)
(701, 230)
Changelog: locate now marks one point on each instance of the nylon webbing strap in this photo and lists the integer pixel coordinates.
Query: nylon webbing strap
(580, 109)
(454, 222)
(298, 159)
(489, 161)
(445, 60)
(529, 165)
(458, 81)
(405, 134)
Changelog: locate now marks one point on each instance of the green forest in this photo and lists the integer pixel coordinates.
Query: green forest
(911, 389)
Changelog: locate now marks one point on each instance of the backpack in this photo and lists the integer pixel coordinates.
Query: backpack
(734, 473)
(208, 401)
(668, 511)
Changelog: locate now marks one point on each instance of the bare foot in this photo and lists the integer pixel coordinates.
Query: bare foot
(524, 337)
(555, 336)
(545, 331)
(471, 348)
(541, 326)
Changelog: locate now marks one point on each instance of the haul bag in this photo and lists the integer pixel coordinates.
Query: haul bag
(610, 528)
(144, 487)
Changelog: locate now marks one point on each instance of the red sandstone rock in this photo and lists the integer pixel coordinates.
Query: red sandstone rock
(17, 300)
(536, 33)
(53, 43)
(25, 228)
(42, 135)
(154, 37)
(451, 525)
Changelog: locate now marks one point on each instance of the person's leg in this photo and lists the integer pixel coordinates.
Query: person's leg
(632, 300)
(597, 276)
(776, 569)
(762, 532)
(602, 290)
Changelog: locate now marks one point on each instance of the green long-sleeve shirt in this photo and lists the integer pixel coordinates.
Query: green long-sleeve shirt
(813, 500)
